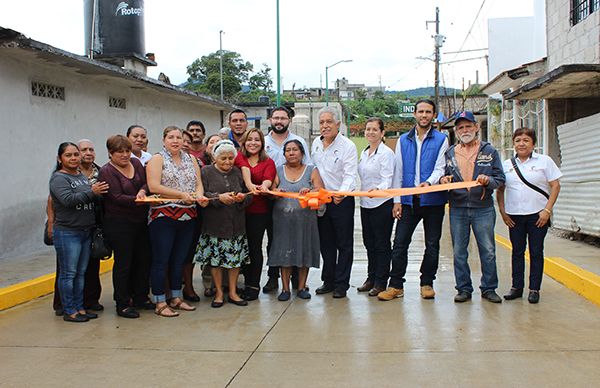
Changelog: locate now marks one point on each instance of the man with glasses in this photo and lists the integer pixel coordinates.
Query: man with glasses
(279, 134)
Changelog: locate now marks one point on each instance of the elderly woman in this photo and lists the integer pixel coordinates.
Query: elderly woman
(73, 200)
(172, 174)
(125, 227)
(525, 203)
(376, 169)
(258, 171)
(295, 230)
(223, 243)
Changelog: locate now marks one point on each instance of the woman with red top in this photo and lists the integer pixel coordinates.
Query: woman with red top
(256, 165)
(125, 227)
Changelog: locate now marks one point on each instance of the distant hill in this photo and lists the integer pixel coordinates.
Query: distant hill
(429, 91)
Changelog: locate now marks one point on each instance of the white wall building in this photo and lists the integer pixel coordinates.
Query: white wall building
(50, 96)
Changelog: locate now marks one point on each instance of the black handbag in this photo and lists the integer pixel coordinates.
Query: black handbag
(47, 238)
(101, 250)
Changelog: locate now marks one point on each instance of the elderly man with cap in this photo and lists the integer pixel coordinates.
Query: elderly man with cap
(473, 159)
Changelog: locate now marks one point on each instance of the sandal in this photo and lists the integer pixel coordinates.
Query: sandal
(162, 311)
(181, 305)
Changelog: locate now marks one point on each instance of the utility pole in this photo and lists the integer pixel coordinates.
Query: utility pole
(438, 43)
(221, 60)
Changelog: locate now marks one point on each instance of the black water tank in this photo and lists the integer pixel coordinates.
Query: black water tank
(118, 27)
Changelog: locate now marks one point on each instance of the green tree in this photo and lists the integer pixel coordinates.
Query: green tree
(204, 74)
(262, 80)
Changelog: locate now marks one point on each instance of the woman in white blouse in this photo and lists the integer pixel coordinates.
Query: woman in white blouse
(525, 203)
(376, 168)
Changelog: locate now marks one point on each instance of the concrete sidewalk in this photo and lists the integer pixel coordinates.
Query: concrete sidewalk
(354, 342)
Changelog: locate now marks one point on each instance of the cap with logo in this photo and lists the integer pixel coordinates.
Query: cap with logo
(464, 115)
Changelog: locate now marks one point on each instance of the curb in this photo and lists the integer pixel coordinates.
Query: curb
(585, 283)
(31, 289)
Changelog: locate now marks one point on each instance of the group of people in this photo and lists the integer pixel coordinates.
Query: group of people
(208, 201)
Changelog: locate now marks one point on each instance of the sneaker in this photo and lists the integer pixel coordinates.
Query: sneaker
(462, 296)
(391, 293)
(272, 285)
(427, 292)
(284, 296)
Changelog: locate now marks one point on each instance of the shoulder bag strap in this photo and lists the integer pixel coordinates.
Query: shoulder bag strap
(529, 184)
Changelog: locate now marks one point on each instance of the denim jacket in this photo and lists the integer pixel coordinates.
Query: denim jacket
(487, 163)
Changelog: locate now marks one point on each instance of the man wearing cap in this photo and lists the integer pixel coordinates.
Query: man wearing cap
(473, 159)
(419, 162)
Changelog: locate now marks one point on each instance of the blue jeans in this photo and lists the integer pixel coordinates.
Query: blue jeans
(482, 221)
(524, 230)
(73, 253)
(170, 241)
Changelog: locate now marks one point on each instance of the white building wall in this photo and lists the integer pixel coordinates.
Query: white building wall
(515, 41)
(571, 44)
(33, 127)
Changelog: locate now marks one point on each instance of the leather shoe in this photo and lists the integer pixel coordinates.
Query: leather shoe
(324, 289)
(338, 294)
(284, 296)
(250, 293)
(514, 293)
(462, 296)
(215, 304)
(77, 318)
(367, 285)
(534, 297)
(146, 305)
(95, 307)
(128, 312)
(90, 315)
(191, 298)
(492, 296)
(375, 291)
(272, 285)
(240, 302)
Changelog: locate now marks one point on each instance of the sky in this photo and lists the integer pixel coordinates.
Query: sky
(383, 38)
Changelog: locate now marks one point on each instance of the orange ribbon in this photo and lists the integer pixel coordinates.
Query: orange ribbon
(314, 199)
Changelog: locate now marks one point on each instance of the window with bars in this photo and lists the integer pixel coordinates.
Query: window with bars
(581, 9)
(41, 89)
(116, 102)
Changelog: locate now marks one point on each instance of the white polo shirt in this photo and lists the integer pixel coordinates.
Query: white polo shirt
(337, 163)
(145, 158)
(375, 172)
(519, 199)
(275, 151)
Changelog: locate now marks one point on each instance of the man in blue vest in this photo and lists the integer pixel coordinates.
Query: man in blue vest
(419, 162)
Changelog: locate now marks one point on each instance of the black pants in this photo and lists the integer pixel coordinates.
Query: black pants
(91, 289)
(377, 225)
(525, 231)
(256, 225)
(131, 271)
(336, 233)
(432, 217)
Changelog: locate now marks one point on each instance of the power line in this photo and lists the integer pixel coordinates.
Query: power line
(472, 25)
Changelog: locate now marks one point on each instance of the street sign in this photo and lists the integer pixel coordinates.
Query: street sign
(406, 109)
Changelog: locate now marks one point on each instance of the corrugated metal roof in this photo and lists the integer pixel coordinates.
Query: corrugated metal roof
(578, 205)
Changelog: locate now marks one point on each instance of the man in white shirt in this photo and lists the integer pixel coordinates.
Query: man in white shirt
(278, 135)
(419, 162)
(335, 157)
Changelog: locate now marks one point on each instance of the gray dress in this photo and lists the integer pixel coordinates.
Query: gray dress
(295, 230)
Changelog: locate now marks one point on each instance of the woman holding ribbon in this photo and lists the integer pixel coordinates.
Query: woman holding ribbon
(258, 171)
(295, 229)
(223, 243)
(173, 174)
(376, 169)
(525, 203)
